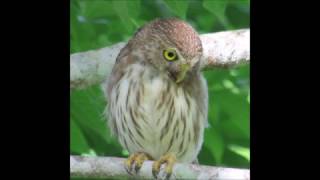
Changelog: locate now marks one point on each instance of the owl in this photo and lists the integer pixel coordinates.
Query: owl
(157, 96)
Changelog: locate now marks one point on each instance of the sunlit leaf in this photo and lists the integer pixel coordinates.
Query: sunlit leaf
(125, 153)
(242, 151)
(91, 153)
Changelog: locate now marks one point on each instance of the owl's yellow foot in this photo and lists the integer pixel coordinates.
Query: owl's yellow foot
(136, 160)
(169, 159)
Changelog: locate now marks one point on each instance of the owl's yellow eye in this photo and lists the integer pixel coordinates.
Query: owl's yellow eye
(170, 55)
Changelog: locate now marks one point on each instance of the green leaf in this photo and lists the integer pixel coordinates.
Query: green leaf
(127, 11)
(91, 153)
(87, 107)
(74, 35)
(214, 142)
(82, 32)
(218, 8)
(78, 143)
(228, 112)
(242, 151)
(205, 22)
(237, 109)
(238, 13)
(95, 9)
(178, 7)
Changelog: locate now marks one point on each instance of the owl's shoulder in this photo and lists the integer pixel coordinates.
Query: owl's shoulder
(198, 89)
(123, 60)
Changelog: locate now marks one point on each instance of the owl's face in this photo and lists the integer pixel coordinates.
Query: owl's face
(173, 47)
(175, 63)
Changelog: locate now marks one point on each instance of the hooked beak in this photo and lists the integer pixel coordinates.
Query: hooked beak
(184, 68)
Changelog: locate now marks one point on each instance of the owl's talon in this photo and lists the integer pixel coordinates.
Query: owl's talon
(156, 168)
(129, 162)
(128, 170)
(139, 161)
(168, 175)
(136, 160)
(169, 159)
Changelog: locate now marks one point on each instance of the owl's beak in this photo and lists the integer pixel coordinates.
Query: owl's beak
(184, 68)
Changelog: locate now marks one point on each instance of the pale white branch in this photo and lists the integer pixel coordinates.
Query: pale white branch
(222, 49)
(111, 167)
(225, 49)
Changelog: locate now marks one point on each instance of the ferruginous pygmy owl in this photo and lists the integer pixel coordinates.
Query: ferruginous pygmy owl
(157, 96)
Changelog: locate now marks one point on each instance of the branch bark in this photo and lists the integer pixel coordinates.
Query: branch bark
(111, 167)
(222, 49)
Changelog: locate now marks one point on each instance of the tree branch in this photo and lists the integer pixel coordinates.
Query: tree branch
(111, 167)
(225, 49)
(222, 49)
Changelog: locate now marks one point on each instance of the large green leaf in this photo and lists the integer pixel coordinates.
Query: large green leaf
(78, 143)
(237, 108)
(242, 151)
(178, 7)
(228, 110)
(127, 11)
(228, 100)
(218, 8)
(238, 13)
(87, 107)
(214, 141)
(95, 9)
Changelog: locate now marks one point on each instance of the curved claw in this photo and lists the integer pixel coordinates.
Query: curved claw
(169, 159)
(156, 168)
(136, 160)
(140, 160)
(130, 161)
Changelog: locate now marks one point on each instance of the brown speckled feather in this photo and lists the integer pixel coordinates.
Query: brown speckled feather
(148, 111)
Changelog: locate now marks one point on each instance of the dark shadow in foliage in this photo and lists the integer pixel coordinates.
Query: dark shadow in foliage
(100, 146)
(205, 157)
(234, 159)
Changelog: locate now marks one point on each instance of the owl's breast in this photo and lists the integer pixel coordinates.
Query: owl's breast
(153, 114)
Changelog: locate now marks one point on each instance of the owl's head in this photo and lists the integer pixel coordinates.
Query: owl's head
(171, 46)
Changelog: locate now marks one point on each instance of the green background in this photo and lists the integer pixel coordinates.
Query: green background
(100, 23)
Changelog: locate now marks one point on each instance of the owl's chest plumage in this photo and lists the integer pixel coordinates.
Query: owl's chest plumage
(150, 113)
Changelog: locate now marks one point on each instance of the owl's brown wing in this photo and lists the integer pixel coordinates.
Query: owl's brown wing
(122, 61)
(199, 88)
(204, 96)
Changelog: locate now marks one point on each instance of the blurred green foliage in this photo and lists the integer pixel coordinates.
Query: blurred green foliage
(99, 23)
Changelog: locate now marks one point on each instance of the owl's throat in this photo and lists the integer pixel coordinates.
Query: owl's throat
(179, 76)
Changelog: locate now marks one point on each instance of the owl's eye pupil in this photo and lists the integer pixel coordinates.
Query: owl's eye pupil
(170, 54)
